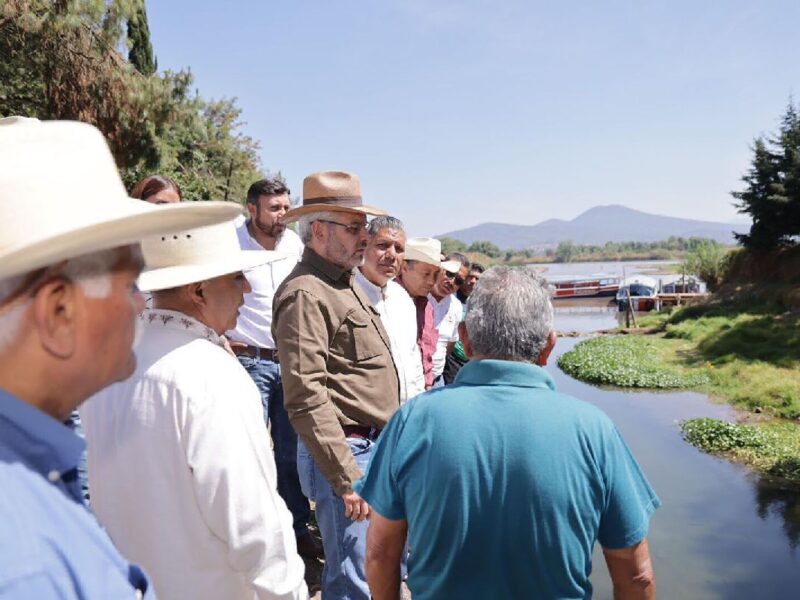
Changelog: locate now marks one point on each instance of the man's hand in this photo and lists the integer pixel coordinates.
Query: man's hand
(354, 507)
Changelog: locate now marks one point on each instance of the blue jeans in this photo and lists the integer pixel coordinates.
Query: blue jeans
(267, 377)
(344, 540)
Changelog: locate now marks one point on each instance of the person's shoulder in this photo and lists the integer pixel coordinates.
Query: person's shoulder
(398, 294)
(455, 306)
(290, 243)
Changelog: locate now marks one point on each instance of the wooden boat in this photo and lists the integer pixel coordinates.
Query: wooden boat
(641, 290)
(592, 286)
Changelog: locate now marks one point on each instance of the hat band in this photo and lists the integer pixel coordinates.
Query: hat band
(348, 201)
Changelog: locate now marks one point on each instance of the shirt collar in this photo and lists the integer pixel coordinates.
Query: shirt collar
(505, 372)
(171, 319)
(49, 445)
(374, 292)
(328, 269)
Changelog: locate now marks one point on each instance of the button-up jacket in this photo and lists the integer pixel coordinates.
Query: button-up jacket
(336, 363)
(49, 543)
(181, 472)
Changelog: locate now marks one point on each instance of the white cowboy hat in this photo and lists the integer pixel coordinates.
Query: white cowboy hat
(429, 250)
(61, 197)
(335, 191)
(197, 255)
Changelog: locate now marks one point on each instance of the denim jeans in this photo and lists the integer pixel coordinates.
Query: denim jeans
(344, 540)
(267, 377)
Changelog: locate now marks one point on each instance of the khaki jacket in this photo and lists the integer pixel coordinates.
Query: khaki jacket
(336, 363)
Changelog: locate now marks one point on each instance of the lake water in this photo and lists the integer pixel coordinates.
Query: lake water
(722, 532)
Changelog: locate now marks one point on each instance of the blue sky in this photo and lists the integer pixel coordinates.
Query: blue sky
(455, 113)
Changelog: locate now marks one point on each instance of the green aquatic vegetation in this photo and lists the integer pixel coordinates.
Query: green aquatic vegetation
(770, 447)
(627, 361)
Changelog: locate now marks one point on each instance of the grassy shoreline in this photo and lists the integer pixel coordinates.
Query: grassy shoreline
(747, 355)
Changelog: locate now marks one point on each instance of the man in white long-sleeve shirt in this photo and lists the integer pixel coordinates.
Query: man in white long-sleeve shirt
(180, 471)
(382, 261)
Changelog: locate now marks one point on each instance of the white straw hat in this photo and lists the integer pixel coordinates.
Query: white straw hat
(197, 255)
(429, 250)
(61, 197)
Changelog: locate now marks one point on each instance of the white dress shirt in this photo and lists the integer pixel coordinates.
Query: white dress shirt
(181, 473)
(399, 318)
(446, 317)
(254, 325)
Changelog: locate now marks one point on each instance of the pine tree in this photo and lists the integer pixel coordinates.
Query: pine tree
(772, 193)
(140, 54)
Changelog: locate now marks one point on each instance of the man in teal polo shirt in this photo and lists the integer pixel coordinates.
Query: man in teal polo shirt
(502, 484)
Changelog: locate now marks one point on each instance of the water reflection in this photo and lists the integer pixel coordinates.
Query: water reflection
(722, 531)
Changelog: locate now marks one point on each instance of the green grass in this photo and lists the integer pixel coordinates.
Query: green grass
(772, 448)
(750, 354)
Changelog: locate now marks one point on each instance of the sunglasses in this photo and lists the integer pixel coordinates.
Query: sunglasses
(455, 278)
(353, 229)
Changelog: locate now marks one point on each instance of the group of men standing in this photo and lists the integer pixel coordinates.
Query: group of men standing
(428, 437)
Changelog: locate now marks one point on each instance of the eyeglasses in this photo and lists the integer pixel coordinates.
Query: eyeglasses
(455, 278)
(353, 229)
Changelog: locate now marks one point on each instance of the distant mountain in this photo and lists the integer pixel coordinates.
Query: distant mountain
(597, 226)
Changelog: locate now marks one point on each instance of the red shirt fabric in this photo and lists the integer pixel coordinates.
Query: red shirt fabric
(427, 335)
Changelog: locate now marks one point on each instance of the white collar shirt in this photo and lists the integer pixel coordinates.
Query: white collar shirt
(399, 318)
(447, 315)
(254, 325)
(181, 472)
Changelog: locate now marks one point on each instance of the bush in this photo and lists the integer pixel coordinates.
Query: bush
(708, 261)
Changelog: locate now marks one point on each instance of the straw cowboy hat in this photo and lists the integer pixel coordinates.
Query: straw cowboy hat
(196, 255)
(61, 197)
(335, 191)
(429, 250)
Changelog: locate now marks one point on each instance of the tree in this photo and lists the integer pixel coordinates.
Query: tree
(708, 262)
(140, 54)
(484, 247)
(772, 187)
(452, 245)
(565, 251)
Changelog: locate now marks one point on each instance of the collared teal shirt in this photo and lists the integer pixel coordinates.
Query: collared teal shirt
(506, 485)
(50, 545)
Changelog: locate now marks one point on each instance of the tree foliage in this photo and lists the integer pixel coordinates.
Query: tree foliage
(452, 245)
(484, 247)
(708, 261)
(140, 54)
(772, 187)
(60, 60)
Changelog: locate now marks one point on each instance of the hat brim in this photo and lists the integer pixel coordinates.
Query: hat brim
(127, 221)
(165, 278)
(298, 212)
(451, 266)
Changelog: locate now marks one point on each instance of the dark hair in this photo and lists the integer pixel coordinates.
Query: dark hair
(476, 267)
(459, 257)
(150, 186)
(271, 186)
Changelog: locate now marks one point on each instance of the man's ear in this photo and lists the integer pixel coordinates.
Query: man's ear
(55, 317)
(548, 348)
(463, 335)
(196, 293)
(252, 209)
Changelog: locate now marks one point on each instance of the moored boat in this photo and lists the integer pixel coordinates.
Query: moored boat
(592, 286)
(642, 293)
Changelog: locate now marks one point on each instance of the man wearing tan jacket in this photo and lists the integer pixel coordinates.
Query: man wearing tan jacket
(339, 380)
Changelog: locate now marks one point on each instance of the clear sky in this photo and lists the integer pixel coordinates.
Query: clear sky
(459, 112)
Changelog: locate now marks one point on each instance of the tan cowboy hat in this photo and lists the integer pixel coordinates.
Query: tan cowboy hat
(429, 250)
(196, 255)
(61, 197)
(331, 191)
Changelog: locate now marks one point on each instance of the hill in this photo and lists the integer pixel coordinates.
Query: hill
(598, 225)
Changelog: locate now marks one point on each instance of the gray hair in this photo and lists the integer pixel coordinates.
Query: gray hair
(384, 222)
(509, 314)
(92, 272)
(304, 224)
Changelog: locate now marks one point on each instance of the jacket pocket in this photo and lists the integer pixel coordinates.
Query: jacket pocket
(357, 340)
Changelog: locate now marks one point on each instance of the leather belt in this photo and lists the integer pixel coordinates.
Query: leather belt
(256, 352)
(361, 431)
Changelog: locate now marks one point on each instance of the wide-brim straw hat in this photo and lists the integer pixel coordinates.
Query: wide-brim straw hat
(334, 191)
(429, 250)
(197, 255)
(61, 197)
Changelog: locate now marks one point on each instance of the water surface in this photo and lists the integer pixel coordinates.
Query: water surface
(722, 532)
